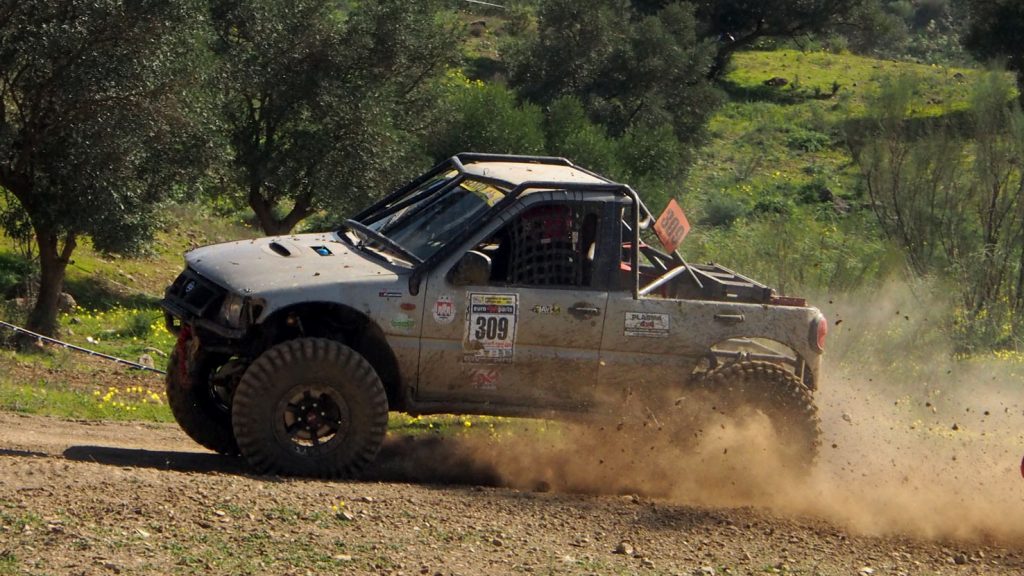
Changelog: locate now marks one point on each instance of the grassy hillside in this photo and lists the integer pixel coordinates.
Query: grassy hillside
(117, 314)
(116, 295)
(775, 192)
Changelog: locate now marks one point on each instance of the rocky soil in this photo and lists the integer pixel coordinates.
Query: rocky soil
(113, 498)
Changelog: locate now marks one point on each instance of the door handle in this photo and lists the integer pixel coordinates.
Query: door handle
(583, 310)
(730, 318)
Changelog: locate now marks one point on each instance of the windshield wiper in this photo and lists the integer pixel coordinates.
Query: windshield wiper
(378, 238)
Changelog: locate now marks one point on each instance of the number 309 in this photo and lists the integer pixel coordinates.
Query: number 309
(491, 328)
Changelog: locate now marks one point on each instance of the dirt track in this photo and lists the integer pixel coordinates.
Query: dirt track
(78, 498)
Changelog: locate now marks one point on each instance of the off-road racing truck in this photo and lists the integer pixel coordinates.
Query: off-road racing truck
(492, 285)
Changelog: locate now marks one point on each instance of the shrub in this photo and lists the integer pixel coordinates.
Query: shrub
(806, 140)
(569, 133)
(722, 211)
(486, 118)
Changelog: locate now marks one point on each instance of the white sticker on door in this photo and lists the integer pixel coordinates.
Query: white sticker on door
(642, 325)
(491, 328)
(444, 310)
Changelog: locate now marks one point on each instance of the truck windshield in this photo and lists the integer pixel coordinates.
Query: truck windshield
(434, 215)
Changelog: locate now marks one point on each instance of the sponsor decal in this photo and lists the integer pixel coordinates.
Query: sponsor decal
(553, 310)
(486, 192)
(444, 310)
(390, 294)
(491, 328)
(402, 322)
(642, 325)
(484, 378)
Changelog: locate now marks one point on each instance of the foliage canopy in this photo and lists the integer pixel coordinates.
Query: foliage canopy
(627, 69)
(324, 106)
(996, 27)
(97, 121)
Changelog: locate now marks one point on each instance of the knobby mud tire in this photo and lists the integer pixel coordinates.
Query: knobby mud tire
(197, 411)
(300, 372)
(779, 395)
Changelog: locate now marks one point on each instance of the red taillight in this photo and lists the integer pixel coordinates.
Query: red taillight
(819, 332)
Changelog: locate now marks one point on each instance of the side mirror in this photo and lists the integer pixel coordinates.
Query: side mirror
(473, 269)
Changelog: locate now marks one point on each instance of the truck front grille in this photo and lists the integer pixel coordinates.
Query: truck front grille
(194, 294)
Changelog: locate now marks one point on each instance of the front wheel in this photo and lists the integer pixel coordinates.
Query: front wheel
(202, 413)
(310, 407)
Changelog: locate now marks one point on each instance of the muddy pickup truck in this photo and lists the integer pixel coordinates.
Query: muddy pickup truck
(491, 285)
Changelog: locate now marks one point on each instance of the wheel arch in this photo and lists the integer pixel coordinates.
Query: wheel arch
(775, 391)
(343, 324)
(739, 349)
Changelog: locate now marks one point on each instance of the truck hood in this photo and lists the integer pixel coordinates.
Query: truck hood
(275, 263)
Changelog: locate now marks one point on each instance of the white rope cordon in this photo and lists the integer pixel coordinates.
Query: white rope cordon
(135, 365)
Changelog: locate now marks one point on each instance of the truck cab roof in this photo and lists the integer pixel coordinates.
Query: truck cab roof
(517, 173)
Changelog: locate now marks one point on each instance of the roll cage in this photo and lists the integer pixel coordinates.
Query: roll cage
(639, 216)
(709, 281)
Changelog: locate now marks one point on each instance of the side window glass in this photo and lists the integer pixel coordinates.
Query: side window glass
(545, 245)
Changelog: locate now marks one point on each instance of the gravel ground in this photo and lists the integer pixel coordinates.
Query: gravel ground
(114, 498)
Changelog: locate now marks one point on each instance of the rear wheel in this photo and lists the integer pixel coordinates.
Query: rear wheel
(203, 414)
(745, 389)
(310, 407)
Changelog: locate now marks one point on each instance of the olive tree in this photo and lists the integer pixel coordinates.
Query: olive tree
(323, 104)
(98, 123)
(739, 24)
(994, 33)
(628, 69)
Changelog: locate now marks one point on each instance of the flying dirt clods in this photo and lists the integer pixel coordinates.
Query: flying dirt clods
(913, 443)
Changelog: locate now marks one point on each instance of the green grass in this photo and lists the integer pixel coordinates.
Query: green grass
(52, 397)
(8, 562)
(781, 138)
(451, 425)
(45, 399)
(122, 332)
(17, 520)
(775, 192)
(814, 76)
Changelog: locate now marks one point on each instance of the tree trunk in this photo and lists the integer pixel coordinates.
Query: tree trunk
(727, 46)
(53, 262)
(269, 222)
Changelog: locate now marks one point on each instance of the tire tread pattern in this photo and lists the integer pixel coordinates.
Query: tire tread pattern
(273, 372)
(196, 415)
(774, 389)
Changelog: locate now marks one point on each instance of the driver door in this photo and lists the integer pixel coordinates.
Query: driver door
(516, 319)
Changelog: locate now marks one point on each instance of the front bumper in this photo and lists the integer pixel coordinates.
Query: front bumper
(195, 300)
(174, 316)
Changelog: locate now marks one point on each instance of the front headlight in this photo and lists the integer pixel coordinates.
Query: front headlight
(232, 309)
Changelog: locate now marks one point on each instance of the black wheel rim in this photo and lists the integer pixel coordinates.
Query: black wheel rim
(220, 389)
(220, 398)
(312, 419)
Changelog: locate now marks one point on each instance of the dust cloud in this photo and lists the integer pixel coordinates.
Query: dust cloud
(914, 442)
